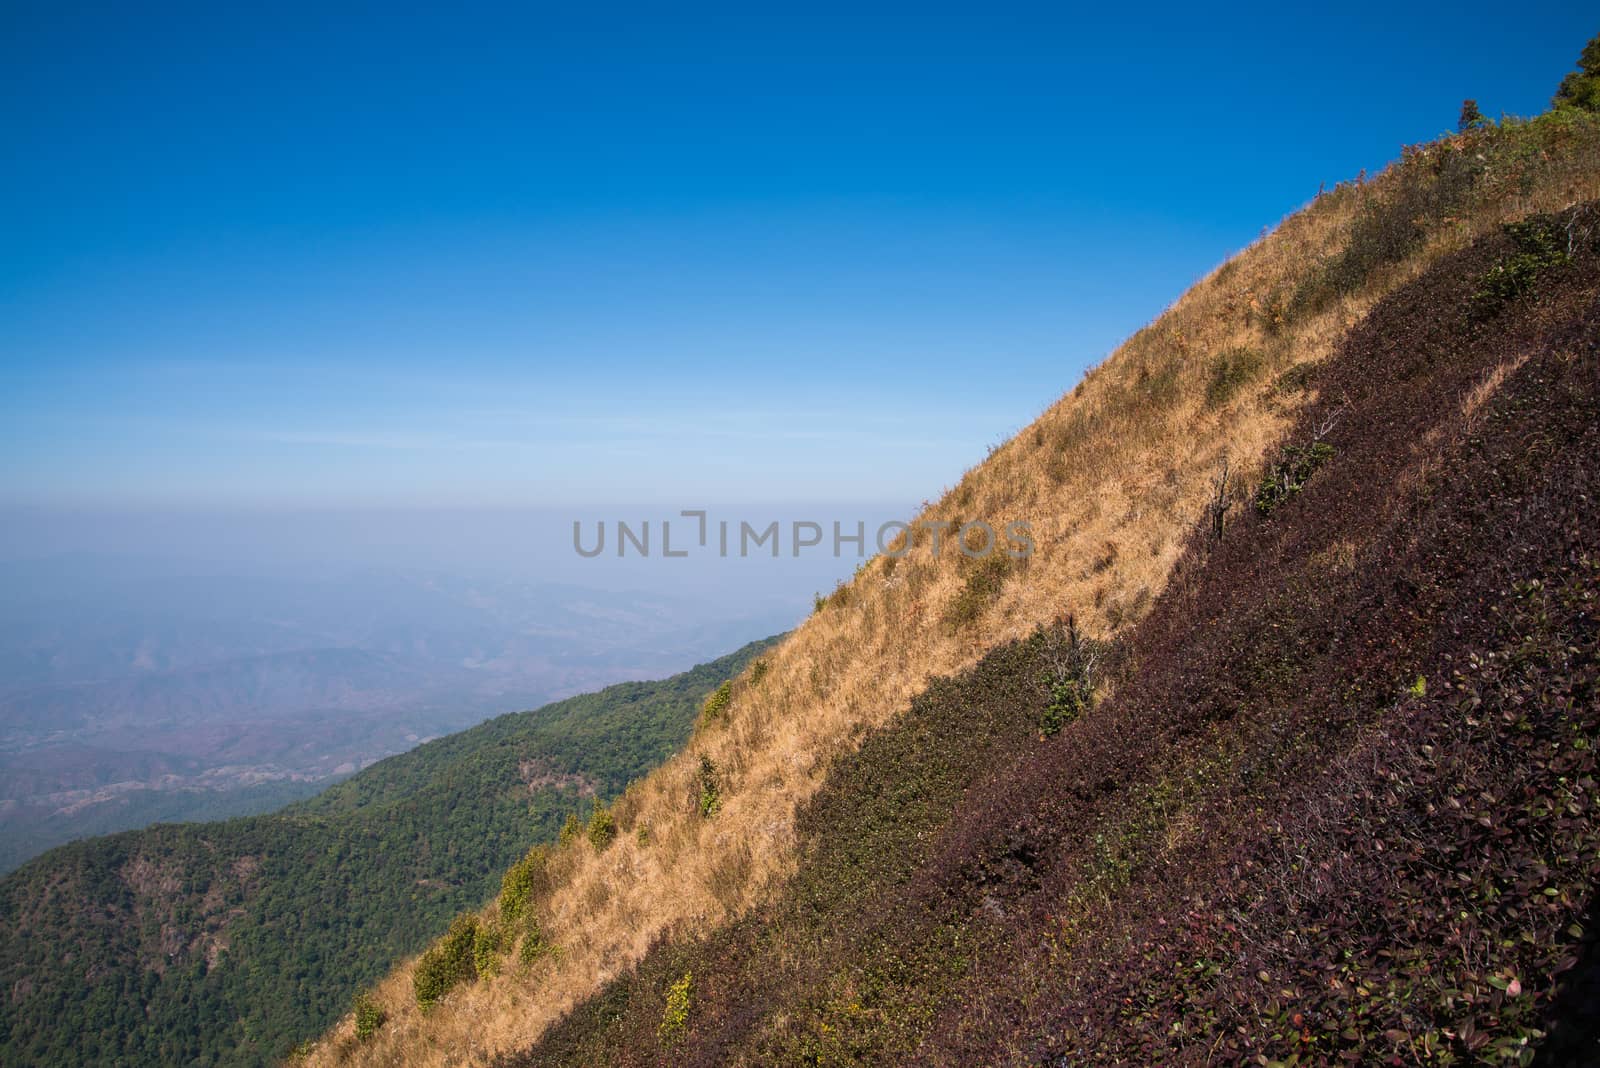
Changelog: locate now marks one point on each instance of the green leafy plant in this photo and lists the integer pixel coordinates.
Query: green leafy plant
(1068, 699)
(1069, 679)
(571, 829)
(717, 702)
(602, 829)
(1289, 475)
(534, 946)
(487, 945)
(369, 1017)
(1541, 244)
(447, 963)
(1581, 88)
(521, 882)
(675, 1018)
(710, 799)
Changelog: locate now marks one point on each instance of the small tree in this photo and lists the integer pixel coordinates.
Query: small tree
(1471, 117)
(522, 882)
(602, 826)
(487, 945)
(447, 962)
(710, 799)
(369, 1017)
(1581, 88)
(717, 703)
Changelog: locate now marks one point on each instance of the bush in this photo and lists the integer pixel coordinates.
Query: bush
(1231, 371)
(602, 827)
(1069, 680)
(1068, 699)
(717, 702)
(710, 799)
(369, 1017)
(447, 963)
(1432, 185)
(985, 579)
(758, 670)
(1289, 475)
(675, 1019)
(571, 829)
(1540, 244)
(522, 881)
(533, 945)
(487, 945)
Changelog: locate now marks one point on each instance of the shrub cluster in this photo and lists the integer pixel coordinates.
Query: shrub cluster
(1289, 475)
(710, 799)
(524, 880)
(369, 1017)
(1540, 243)
(487, 945)
(1069, 678)
(1068, 699)
(447, 963)
(602, 829)
(675, 1019)
(717, 702)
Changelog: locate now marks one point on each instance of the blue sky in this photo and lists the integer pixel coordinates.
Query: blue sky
(510, 257)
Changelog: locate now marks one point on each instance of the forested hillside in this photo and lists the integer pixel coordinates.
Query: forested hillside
(227, 943)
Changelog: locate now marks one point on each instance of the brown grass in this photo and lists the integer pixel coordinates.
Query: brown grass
(1112, 477)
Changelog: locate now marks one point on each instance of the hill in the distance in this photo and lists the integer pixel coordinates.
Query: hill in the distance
(227, 943)
(131, 694)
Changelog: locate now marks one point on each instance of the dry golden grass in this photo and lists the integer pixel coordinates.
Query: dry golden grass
(1112, 477)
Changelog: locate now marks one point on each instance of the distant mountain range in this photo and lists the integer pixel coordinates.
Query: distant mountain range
(127, 699)
(226, 943)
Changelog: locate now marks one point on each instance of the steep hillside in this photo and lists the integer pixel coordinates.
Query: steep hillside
(1337, 803)
(1115, 478)
(226, 943)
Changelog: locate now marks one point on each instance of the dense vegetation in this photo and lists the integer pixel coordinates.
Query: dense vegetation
(1338, 804)
(227, 943)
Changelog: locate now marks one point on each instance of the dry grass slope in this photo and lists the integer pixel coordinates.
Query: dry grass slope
(1112, 477)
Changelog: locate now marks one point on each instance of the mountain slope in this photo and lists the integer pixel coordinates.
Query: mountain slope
(226, 943)
(1115, 478)
(1336, 804)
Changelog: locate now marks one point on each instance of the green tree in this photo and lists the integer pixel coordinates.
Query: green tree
(1581, 88)
(602, 826)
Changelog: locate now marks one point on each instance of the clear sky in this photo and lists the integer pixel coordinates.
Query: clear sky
(273, 256)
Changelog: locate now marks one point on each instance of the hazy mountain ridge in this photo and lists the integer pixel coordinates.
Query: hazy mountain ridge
(123, 689)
